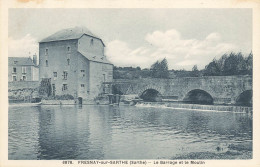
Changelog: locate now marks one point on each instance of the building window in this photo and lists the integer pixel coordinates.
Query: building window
(82, 85)
(14, 78)
(54, 75)
(15, 62)
(68, 61)
(14, 70)
(23, 78)
(64, 87)
(65, 75)
(46, 51)
(24, 70)
(47, 63)
(92, 41)
(68, 48)
(83, 73)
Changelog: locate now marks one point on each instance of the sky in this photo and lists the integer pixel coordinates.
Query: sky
(139, 37)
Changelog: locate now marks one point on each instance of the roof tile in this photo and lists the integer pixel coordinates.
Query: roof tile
(70, 33)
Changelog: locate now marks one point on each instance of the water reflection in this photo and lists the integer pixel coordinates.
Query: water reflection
(119, 132)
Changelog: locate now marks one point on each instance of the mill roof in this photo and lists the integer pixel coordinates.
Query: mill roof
(92, 57)
(70, 33)
(20, 61)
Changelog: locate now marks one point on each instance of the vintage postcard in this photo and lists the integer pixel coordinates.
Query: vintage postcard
(145, 83)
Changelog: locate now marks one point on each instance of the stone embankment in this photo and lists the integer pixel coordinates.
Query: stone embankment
(58, 102)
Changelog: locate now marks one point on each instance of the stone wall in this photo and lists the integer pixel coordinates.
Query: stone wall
(99, 73)
(57, 56)
(23, 90)
(23, 85)
(91, 45)
(59, 102)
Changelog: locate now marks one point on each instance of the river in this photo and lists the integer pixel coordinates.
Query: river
(124, 132)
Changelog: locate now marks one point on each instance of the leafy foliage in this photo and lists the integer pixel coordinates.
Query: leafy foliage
(227, 64)
(195, 71)
(160, 69)
(232, 64)
(212, 69)
(45, 87)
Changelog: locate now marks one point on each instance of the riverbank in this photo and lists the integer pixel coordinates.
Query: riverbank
(235, 151)
(217, 108)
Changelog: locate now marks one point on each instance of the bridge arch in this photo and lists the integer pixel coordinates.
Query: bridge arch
(245, 98)
(151, 94)
(149, 87)
(198, 96)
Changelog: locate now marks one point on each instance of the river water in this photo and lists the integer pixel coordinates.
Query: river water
(124, 132)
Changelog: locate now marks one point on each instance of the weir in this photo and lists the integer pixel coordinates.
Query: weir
(220, 108)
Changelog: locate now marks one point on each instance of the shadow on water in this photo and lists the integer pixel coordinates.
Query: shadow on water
(61, 129)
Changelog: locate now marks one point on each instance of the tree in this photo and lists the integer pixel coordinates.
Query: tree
(234, 64)
(195, 71)
(230, 64)
(212, 69)
(45, 89)
(249, 64)
(221, 62)
(160, 69)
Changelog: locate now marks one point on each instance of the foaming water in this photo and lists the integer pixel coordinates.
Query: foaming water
(198, 107)
(124, 132)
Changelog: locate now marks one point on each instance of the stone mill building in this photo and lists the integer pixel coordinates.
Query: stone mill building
(73, 61)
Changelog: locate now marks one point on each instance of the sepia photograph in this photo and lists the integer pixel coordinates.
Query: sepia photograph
(130, 84)
(126, 85)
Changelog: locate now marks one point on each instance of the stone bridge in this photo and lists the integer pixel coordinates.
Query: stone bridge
(222, 89)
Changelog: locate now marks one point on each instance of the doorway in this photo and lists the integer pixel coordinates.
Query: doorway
(80, 100)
